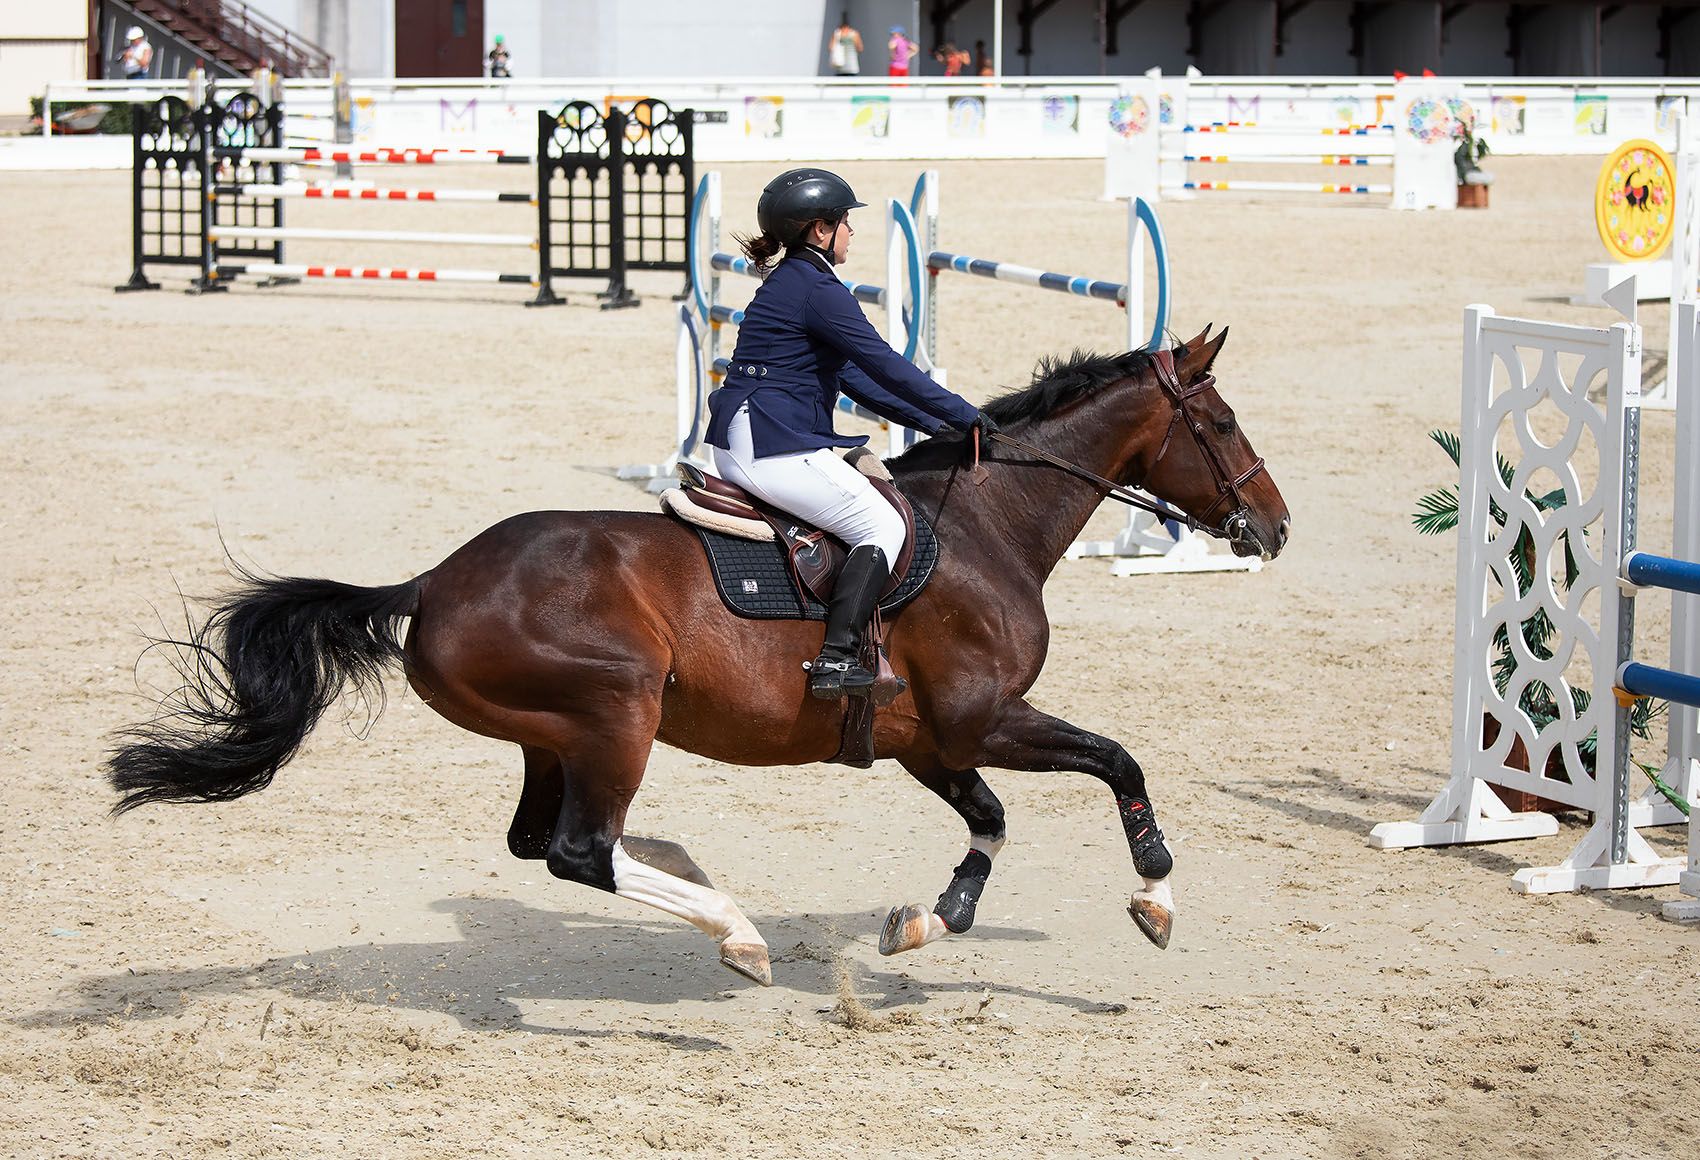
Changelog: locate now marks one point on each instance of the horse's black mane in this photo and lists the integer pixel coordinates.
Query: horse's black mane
(1057, 382)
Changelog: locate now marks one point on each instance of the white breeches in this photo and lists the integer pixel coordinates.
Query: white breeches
(816, 486)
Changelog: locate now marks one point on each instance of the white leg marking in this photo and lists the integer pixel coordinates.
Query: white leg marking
(709, 911)
(936, 929)
(1156, 890)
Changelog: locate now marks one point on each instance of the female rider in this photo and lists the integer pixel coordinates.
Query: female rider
(803, 340)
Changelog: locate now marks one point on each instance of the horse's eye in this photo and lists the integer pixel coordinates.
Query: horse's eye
(1225, 426)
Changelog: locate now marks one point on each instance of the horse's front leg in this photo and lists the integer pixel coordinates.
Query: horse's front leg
(1024, 738)
(912, 926)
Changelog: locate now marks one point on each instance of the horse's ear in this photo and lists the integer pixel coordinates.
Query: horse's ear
(1193, 343)
(1195, 360)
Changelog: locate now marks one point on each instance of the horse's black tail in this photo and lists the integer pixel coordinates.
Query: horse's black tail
(256, 677)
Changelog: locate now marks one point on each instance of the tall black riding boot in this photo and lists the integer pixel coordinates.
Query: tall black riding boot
(836, 672)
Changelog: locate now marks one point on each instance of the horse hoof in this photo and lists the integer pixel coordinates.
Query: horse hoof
(1154, 919)
(910, 927)
(749, 960)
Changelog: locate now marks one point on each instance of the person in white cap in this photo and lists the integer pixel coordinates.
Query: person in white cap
(138, 55)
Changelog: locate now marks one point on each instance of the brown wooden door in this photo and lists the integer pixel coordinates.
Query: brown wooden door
(439, 38)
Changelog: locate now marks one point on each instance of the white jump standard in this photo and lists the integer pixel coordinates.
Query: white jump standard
(1512, 368)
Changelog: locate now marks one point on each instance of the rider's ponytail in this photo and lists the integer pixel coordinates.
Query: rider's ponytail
(760, 250)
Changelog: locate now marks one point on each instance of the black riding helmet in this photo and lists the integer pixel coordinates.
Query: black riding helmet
(800, 196)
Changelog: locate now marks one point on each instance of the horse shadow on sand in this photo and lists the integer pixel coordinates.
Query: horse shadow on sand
(513, 961)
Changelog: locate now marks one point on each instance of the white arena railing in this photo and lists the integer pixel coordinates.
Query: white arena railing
(759, 118)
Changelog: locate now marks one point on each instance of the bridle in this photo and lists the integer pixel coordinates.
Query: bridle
(1235, 527)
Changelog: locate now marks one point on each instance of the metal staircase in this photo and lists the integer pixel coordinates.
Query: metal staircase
(227, 33)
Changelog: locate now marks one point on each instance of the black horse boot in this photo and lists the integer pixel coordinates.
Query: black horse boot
(836, 672)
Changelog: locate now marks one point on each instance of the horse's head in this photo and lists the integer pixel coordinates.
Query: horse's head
(1201, 462)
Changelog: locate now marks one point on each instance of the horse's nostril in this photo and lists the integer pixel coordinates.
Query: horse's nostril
(1281, 533)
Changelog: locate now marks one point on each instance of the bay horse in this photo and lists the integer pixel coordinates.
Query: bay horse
(585, 637)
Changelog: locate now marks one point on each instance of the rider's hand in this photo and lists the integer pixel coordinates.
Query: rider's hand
(980, 437)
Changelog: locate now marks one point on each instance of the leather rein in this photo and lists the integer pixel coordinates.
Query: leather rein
(1234, 526)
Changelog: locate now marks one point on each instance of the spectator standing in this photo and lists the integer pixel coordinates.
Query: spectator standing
(845, 51)
(137, 61)
(902, 51)
(498, 58)
(954, 59)
(982, 59)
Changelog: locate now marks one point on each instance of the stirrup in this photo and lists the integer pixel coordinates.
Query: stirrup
(830, 679)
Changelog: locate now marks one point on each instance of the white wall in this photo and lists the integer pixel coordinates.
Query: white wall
(610, 38)
(41, 41)
(26, 66)
(45, 20)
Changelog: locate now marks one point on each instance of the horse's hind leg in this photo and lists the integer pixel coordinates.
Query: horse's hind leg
(539, 804)
(539, 809)
(601, 774)
(912, 926)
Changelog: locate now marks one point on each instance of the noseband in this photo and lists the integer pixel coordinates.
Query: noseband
(1236, 525)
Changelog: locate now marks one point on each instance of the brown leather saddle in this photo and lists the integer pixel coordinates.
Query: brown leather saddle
(815, 557)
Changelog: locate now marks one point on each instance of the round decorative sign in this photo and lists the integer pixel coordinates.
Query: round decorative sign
(1428, 120)
(1635, 201)
(1129, 116)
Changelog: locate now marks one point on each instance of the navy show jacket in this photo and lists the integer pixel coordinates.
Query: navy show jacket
(803, 340)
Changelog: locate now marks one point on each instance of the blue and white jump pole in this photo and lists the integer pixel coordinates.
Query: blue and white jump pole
(1128, 294)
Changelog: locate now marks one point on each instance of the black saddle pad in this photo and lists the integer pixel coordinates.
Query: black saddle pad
(755, 580)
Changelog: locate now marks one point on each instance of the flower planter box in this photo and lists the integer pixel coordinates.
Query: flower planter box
(1472, 197)
(1516, 800)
